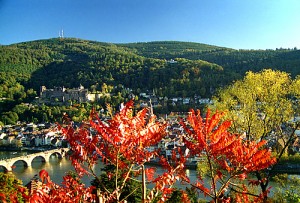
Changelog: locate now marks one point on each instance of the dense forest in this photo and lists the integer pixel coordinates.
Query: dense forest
(168, 68)
(233, 61)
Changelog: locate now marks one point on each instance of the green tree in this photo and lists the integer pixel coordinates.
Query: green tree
(9, 118)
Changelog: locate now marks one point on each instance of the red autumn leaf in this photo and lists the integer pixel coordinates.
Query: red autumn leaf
(150, 173)
(3, 198)
(184, 197)
(242, 176)
(44, 176)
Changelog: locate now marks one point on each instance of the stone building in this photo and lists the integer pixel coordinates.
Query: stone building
(62, 94)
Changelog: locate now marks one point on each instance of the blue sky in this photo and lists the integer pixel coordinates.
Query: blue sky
(239, 24)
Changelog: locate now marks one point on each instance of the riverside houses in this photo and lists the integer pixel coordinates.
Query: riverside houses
(31, 136)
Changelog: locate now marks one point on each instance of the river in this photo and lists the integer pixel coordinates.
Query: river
(57, 168)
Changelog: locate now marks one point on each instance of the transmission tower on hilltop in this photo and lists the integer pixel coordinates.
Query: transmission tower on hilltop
(61, 34)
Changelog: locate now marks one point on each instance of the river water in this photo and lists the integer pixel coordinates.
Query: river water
(57, 168)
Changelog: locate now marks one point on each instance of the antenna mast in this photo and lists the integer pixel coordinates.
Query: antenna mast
(61, 34)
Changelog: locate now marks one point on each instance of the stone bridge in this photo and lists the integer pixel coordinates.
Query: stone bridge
(27, 159)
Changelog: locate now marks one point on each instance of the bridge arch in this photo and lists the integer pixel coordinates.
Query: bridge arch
(26, 163)
(3, 167)
(57, 154)
(36, 157)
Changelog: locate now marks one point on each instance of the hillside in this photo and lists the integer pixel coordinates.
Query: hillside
(233, 61)
(200, 69)
(71, 62)
(169, 49)
(170, 69)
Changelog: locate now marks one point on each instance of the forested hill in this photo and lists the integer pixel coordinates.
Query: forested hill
(170, 69)
(197, 68)
(170, 49)
(236, 61)
(71, 62)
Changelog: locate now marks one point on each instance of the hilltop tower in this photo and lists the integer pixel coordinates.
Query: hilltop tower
(61, 34)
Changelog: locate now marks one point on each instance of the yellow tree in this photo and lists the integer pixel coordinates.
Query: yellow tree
(261, 106)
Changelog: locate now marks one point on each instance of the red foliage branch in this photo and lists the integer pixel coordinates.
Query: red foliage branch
(71, 191)
(233, 156)
(123, 141)
(124, 136)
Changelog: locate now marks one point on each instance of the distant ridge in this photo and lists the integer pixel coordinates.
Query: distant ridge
(142, 65)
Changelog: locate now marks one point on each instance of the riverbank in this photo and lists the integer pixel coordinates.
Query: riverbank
(24, 149)
(289, 168)
(11, 149)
